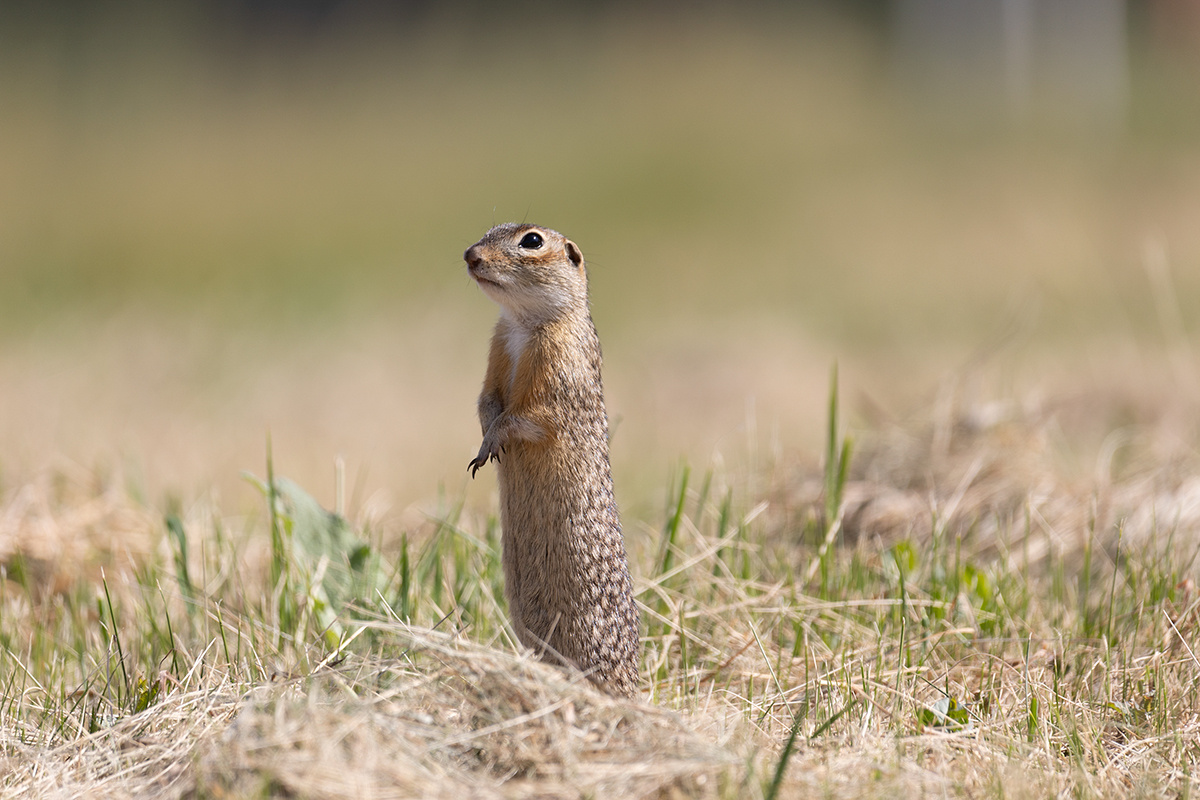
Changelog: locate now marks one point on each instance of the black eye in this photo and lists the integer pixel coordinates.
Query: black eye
(531, 241)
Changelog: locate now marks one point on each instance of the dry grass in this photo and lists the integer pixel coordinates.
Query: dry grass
(982, 625)
(446, 719)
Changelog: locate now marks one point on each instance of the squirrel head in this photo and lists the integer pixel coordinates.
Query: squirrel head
(534, 273)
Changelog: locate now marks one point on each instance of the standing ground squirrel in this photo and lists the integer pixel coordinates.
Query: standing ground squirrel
(542, 412)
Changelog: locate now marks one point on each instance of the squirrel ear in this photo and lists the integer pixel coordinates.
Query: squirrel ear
(574, 253)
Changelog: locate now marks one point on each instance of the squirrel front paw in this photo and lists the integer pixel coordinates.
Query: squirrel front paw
(490, 449)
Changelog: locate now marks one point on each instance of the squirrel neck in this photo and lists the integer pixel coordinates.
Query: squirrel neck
(539, 320)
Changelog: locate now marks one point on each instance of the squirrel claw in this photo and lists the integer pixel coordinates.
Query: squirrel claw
(481, 460)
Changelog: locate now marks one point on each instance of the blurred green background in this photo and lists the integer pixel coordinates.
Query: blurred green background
(223, 218)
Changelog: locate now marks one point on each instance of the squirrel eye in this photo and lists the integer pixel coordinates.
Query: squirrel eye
(531, 241)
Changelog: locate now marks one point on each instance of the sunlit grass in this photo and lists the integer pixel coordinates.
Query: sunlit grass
(1015, 631)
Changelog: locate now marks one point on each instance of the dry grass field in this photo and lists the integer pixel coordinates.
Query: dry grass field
(231, 298)
(949, 616)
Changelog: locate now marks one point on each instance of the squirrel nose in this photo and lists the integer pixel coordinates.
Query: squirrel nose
(472, 256)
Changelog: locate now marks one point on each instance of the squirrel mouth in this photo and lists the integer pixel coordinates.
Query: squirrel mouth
(482, 281)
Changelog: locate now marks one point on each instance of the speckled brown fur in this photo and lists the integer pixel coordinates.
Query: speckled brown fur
(543, 420)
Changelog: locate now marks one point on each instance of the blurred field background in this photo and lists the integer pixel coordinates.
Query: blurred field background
(221, 218)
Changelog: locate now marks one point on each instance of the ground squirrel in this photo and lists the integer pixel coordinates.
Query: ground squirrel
(542, 412)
